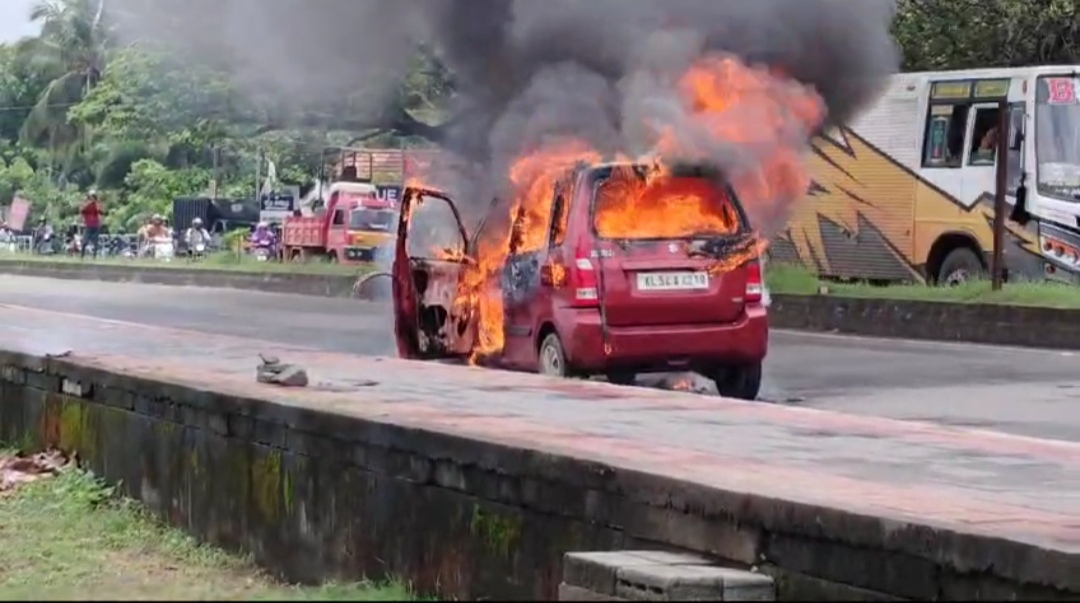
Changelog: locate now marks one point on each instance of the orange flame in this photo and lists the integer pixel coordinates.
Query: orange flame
(559, 274)
(660, 206)
(682, 385)
(533, 178)
(762, 107)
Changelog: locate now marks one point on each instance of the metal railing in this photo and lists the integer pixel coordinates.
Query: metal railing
(15, 244)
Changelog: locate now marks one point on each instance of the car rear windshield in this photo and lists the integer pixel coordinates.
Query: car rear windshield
(631, 204)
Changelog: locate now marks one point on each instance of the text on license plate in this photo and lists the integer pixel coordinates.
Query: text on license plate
(672, 281)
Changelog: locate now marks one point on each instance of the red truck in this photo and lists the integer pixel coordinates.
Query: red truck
(351, 226)
(352, 219)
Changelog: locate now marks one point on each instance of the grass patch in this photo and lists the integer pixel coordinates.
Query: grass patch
(796, 280)
(223, 261)
(69, 537)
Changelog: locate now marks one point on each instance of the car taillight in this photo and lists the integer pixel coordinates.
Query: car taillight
(754, 284)
(582, 281)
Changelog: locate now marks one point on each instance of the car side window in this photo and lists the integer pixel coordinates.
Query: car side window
(559, 214)
(518, 232)
(433, 231)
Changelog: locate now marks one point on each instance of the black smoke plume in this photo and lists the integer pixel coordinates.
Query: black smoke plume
(527, 71)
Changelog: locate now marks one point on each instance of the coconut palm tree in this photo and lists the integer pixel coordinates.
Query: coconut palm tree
(71, 50)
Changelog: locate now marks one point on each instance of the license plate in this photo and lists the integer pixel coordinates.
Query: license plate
(672, 281)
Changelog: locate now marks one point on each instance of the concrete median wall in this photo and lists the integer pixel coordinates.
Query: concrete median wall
(994, 324)
(323, 285)
(315, 495)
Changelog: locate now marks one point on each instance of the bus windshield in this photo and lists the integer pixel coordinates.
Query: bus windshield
(1057, 137)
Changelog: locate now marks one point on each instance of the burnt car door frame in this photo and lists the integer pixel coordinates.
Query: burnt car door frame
(406, 297)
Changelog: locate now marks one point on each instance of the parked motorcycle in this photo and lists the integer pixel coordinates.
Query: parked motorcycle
(120, 246)
(263, 254)
(46, 244)
(161, 248)
(264, 249)
(197, 250)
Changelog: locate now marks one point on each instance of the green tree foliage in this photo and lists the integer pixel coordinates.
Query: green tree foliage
(965, 34)
(152, 187)
(78, 110)
(70, 53)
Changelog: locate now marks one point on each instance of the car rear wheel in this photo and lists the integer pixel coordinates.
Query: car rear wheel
(739, 382)
(552, 358)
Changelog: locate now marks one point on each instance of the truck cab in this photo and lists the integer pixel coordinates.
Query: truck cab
(352, 218)
(347, 223)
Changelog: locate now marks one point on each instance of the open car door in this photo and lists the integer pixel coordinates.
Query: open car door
(432, 317)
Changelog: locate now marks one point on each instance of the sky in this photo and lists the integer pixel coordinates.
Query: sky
(14, 23)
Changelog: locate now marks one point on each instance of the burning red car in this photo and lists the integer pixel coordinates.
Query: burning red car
(625, 269)
(622, 267)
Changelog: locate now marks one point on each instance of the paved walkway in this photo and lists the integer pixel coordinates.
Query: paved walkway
(1020, 488)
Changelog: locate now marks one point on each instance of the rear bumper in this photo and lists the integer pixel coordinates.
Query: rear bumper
(659, 348)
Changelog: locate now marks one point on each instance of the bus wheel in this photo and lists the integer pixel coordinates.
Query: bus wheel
(960, 266)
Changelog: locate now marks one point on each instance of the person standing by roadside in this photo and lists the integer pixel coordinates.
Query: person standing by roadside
(91, 214)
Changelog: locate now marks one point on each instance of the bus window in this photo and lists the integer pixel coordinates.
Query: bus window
(984, 135)
(945, 129)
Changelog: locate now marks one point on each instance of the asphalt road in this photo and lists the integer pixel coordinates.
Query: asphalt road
(1026, 392)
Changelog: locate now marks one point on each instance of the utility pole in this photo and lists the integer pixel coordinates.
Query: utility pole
(214, 185)
(997, 263)
(259, 159)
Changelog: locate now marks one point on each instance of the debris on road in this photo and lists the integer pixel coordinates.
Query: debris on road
(64, 354)
(687, 382)
(275, 372)
(16, 470)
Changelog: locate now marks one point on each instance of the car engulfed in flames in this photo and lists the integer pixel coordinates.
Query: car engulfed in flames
(451, 287)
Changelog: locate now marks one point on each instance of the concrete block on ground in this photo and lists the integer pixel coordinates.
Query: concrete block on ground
(658, 576)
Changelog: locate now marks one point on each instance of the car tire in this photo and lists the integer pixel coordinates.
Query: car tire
(739, 382)
(961, 265)
(552, 358)
(622, 377)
